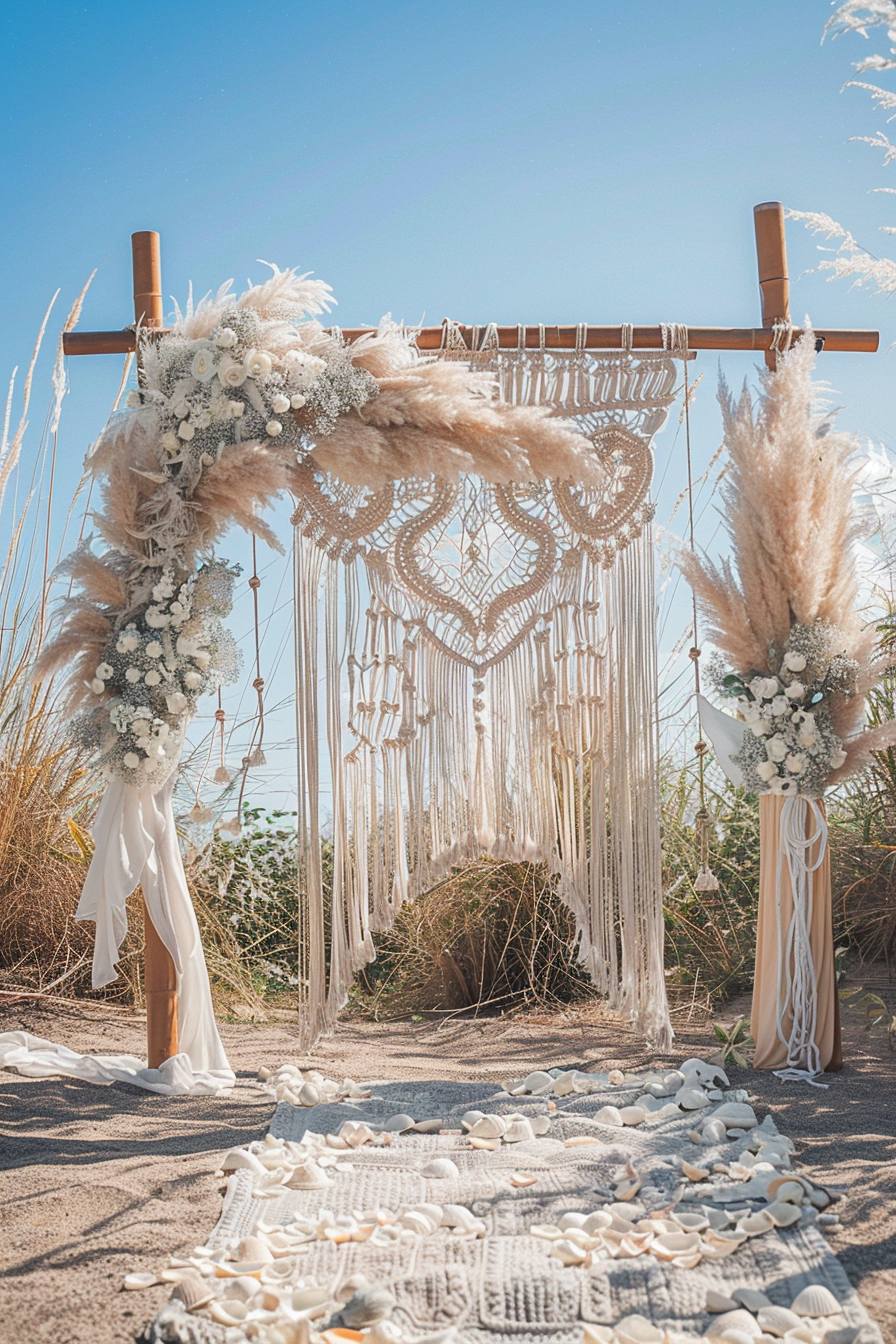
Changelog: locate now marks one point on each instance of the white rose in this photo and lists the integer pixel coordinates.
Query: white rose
(140, 727)
(203, 658)
(795, 691)
(770, 687)
(170, 442)
(202, 420)
(127, 643)
(143, 744)
(149, 765)
(796, 763)
(231, 372)
(257, 364)
(236, 408)
(156, 619)
(297, 401)
(97, 686)
(766, 770)
(176, 702)
(132, 760)
(185, 646)
(779, 705)
(760, 728)
(182, 409)
(154, 649)
(203, 366)
(152, 677)
(226, 339)
(794, 662)
(776, 748)
(838, 758)
(185, 430)
(192, 680)
(273, 427)
(104, 672)
(807, 736)
(280, 403)
(132, 675)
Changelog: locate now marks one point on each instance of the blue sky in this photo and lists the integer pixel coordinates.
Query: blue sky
(503, 160)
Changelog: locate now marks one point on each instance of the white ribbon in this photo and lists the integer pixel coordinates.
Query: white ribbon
(797, 981)
(136, 845)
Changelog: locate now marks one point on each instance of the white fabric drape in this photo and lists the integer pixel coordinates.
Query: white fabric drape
(136, 845)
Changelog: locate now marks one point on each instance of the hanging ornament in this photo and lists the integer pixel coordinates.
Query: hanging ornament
(222, 774)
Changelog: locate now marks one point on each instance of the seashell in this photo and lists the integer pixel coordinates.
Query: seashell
(615, 1077)
(398, 1124)
(368, 1305)
(675, 1243)
(735, 1336)
(418, 1222)
(815, 1300)
(469, 1119)
(751, 1298)
(540, 1125)
(490, 1145)
(309, 1095)
(785, 1188)
(488, 1127)
(518, 1131)
(565, 1085)
(240, 1269)
(241, 1289)
(638, 1330)
(628, 1190)
(713, 1131)
(783, 1214)
(455, 1215)
(337, 1141)
(703, 1072)
(534, 1085)
(691, 1099)
(278, 1272)
(688, 1261)
(175, 1273)
(778, 1320)
(694, 1173)
(253, 1249)
(428, 1126)
(520, 1179)
(309, 1301)
(718, 1302)
(308, 1176)
(575, 1218)
(194, 1291)
(819, 1198)
(692, 1222)
(828, 1219)
(632, 1115)
(846, 1335)
(754, 1224)
(440, 1169)
(140, 1279)
(598, 1221)
(598, 1334)
(545, 1231)
(241, 1159)
(736, 1115)
(568, 1253)
(580, 1140)
(739, 1319)
(230, 1311)
(609, 1115)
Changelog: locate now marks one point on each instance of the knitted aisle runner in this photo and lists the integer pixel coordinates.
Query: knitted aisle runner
(506, 1286)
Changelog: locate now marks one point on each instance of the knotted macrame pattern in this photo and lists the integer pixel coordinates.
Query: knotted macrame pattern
(476, 675)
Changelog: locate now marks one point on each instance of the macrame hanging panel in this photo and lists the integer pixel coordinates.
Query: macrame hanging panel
(476, 675)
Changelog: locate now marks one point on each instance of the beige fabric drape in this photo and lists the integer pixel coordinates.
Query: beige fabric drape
(771, 1052)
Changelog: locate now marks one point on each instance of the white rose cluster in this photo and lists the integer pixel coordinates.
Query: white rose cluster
(155, 669)
(790, 745)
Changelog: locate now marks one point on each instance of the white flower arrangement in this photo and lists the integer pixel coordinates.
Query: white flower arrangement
(790, 746)
(154, 670)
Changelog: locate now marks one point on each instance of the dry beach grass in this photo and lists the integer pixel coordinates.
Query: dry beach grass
(96, 1181)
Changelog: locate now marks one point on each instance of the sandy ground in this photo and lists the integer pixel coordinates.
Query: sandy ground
(95, 1182)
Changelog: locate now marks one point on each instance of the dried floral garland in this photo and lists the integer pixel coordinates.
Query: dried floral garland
(238, 397)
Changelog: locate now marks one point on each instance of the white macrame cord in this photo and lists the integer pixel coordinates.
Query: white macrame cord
(476, 675)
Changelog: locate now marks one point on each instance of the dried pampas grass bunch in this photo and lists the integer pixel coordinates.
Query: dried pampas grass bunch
(783, 610)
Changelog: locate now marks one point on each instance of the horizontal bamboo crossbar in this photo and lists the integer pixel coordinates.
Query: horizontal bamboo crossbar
(555, 338)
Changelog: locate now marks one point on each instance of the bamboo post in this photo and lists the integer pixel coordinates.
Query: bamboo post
(771, 256)
(159, 975)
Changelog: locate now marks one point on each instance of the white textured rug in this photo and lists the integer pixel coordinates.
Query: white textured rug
(507, 1286)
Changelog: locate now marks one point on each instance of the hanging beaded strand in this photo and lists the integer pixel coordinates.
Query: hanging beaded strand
(256, 755)
(222, 774)
(706, 879)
